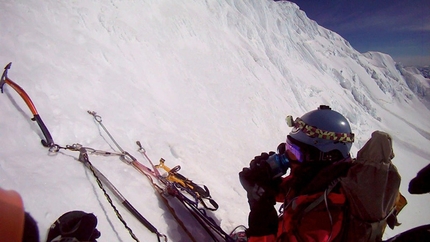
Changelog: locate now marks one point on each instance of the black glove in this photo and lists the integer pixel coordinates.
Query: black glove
(74, 224)
(260, 160)
(261, 191)
(257, 180)
(421, 183)
(262, 219)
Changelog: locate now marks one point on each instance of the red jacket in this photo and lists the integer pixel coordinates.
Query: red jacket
(317, 224)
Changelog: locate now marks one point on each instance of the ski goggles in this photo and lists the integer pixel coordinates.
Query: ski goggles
(294, 151)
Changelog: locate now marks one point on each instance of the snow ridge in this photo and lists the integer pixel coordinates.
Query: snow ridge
(203, 84)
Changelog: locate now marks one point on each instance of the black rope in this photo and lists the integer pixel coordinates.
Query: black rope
(206, 222)
(83, 157)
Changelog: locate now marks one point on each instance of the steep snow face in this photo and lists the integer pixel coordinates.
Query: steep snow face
(425, 71)
(204, 84)
(417, 82)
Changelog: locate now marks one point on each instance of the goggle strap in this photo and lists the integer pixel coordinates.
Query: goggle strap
(315, 132)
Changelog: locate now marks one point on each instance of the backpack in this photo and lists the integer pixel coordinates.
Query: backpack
(371, 188)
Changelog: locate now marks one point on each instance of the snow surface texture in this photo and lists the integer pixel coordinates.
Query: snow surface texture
(204, 84)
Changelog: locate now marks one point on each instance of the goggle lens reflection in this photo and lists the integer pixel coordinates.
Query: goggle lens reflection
(294, 150)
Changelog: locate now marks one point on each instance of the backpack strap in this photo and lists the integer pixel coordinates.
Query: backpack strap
(376, 226)
(319, 200)
(323, 197)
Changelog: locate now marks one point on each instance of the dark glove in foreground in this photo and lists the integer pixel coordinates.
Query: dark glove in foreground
(74, 225)
(262, 220)
(421, 183)
(261, 191)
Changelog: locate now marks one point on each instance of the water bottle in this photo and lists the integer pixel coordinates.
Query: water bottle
(279, 165)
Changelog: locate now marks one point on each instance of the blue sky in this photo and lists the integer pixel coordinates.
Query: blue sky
(397, 27)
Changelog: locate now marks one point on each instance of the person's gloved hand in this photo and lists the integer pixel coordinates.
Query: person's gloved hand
(421, 183)
(262, 219)
(260, 160)
(261, 190)
(74, 225)
(257, 178)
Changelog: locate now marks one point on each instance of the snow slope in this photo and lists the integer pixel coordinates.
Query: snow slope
(203, 84)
